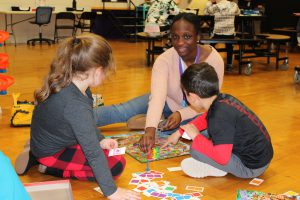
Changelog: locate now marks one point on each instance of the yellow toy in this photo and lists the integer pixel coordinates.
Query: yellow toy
(21, 112)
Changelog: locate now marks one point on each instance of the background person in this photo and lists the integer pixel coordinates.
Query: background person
(224, 12)
(159, 12)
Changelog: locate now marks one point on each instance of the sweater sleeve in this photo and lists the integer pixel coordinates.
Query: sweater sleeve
(159, 87)
(219, 153)
(84, 128)
(187, 113)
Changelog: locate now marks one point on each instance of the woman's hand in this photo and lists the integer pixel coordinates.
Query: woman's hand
(172, 122)
(147, 140)
(172, 139)
(191, 130)
(108, 144)
(123, 194)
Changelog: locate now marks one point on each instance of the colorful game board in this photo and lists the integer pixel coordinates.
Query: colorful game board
(256, 195)
(130, 140)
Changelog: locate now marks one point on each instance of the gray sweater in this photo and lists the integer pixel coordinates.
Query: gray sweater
(65, 119)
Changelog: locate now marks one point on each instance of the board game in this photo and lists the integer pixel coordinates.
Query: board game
(130, 140)
(256, 195)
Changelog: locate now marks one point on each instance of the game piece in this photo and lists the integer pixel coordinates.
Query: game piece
(256, 181)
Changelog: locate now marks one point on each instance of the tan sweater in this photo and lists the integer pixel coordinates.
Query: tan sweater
(165, 85)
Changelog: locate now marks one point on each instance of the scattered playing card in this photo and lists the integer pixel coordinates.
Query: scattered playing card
(97, 189)
(186, 136)
(256, 181)
(134, 181)
(173, 169)
(194, 188)
(117, 151)
(291, 193)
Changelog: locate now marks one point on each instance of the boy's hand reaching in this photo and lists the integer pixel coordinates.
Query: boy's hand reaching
(108, 144)
(123, 194)
(191, 130)
(172, 139)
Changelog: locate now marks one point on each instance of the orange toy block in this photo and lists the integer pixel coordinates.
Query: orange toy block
(3, 62)
(3, 36)
(5, 82)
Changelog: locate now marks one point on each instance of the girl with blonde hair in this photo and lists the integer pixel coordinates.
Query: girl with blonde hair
(64, 137)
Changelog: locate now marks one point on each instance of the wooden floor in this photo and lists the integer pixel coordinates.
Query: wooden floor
(271, 94)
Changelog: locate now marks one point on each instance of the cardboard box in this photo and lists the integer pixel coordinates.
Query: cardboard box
(50, 190)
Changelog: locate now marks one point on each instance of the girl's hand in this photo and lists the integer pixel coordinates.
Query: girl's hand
(191, 130)
(172, 139)
(108, 144)
(172, 122)
(123, 194)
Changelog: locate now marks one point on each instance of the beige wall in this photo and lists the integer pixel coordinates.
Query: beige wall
(60, 4)
(25, 30)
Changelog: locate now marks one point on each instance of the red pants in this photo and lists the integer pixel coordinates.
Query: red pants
(71, 163)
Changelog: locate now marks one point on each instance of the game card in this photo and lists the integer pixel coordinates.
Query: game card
(256, 181)
(194, 188)
(186, 136)
(117, 151)
(97, 189)
(173, 169)
(134, 181)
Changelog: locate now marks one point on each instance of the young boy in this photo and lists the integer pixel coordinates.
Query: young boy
(236, 142)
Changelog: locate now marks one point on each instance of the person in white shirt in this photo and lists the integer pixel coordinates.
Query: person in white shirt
(224, 12)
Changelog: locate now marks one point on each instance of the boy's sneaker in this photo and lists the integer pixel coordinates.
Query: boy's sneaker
(42, 168)
(25, 160)
(197, 169)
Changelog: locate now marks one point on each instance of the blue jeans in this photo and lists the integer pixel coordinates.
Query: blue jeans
(120, 113)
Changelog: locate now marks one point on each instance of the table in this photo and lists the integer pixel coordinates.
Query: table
(240, 20)
(241, 42)
(151, 38)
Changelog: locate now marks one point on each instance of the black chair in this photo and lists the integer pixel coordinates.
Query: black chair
(42, 17)
(64, 21)
(86, 22)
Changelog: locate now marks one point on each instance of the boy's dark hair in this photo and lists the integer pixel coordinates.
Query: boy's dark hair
(189, 17)
(200, 79)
